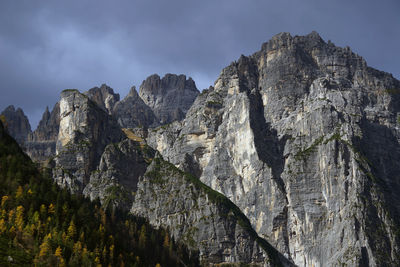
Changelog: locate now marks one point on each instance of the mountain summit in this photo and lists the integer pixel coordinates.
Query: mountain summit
(291, 158)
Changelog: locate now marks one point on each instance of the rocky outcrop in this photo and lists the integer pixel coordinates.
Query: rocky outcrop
(128, 177)
(115, 180)
(202, 218)
(170, 97)
(104, 97)
(132, 112)
(49, 125)
(303, 137)
(41, 144)
(16, 123)
(85, 130)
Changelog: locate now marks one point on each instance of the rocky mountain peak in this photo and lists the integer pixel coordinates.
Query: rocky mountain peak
(132, 112)
(104, 97)
(85, 130)
(17, 123)
(295, 135)
(133, 92)
(46, 114)
(169, 97)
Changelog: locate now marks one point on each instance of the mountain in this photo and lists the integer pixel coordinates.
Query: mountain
(303, 137)
(43, 225)
(290, 159)
(169, 97)
(104, 97)
(172, 96)
(114, 174)
(41, 143)
(85, 130)
(17, 123)
(132, 112)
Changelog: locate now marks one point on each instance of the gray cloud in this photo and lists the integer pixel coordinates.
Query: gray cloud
(47, 46)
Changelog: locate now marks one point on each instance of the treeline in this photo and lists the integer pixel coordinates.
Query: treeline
(43, 225)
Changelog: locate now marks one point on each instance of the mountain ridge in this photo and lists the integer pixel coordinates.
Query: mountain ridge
(295, 135)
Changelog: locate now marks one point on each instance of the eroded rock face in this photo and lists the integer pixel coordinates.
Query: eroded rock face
(49, 125)
(115, 179)
(200, 217)
(104, 97)
(17, 124)
(170, 97)
(132, 112)
(304, 137)
(41, 144)
(85, 130)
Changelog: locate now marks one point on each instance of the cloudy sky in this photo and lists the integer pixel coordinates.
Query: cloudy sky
(47, 46)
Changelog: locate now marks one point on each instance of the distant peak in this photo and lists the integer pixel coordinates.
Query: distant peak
(285, 39)
(10, 108)
(282, 35)
(133, 91)
(314, 35)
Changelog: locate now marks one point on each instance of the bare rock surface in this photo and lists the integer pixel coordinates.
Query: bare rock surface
(85, 130)
(132, 112)
(104, 97)
(169, 97)
(201, 217)
(303, 137)
(41, 144)
(16, 124)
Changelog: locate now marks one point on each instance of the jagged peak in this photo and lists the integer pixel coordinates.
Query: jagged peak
(155, 83)
(10, 108)
(46, 114)
(104, 88)
(66, 92)
(133, 92)
(314, 35)
(285, 39)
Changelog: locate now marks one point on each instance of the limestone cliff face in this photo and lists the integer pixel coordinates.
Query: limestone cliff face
(104, 97)
(16, 123)
(85, 130)
(202, 218)
(129, 176)
(170, 97)
(132, 112)
(303, 136)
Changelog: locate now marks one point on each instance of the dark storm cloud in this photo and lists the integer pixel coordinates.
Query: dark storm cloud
(46, 46)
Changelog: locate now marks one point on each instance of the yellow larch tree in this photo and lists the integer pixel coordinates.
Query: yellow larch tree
(71, 231)
(19, 193)
(3, 226)
(51, 209)
(19, 218)
(4, 200)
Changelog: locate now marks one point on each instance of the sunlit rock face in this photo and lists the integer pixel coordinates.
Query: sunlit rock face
(85, 130)
(304, 137)
(169, 97)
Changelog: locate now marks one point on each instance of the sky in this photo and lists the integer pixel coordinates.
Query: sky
(48, 46)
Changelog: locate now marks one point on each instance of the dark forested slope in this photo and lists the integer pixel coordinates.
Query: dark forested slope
(44, 225)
